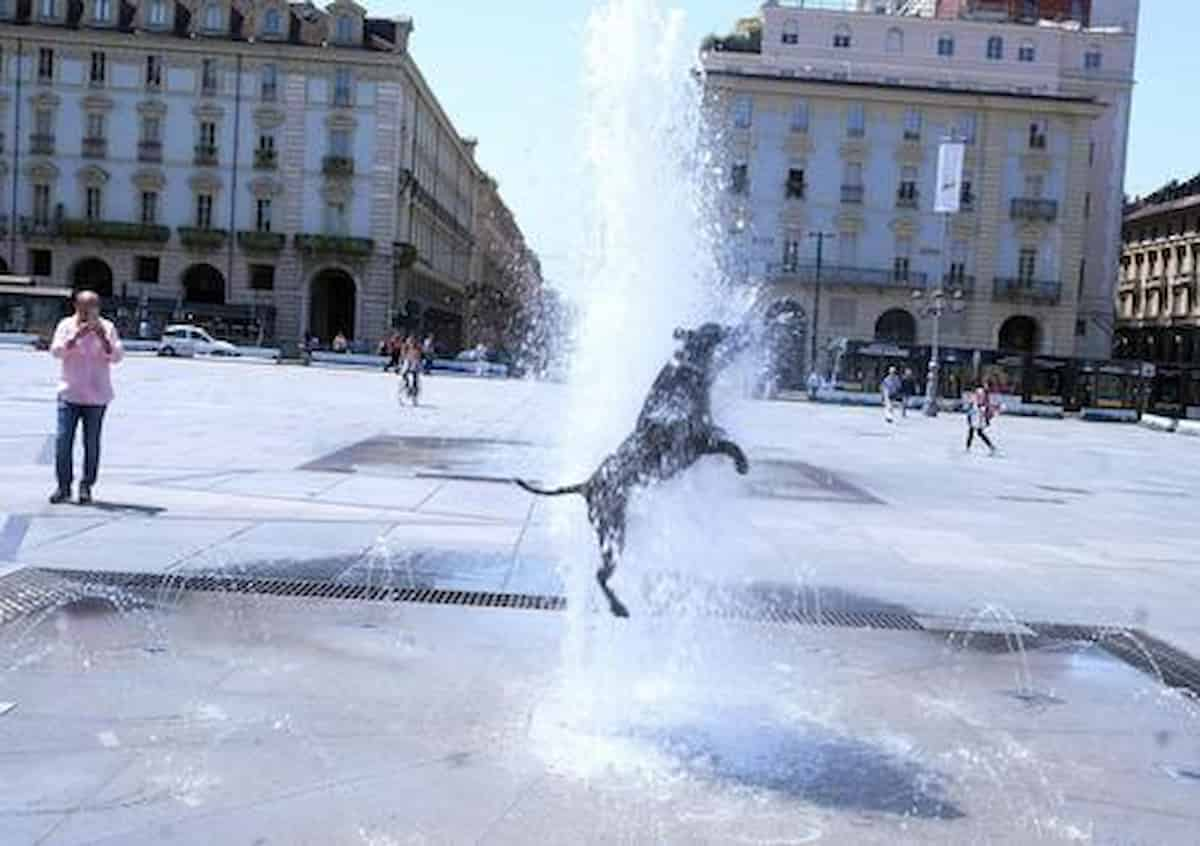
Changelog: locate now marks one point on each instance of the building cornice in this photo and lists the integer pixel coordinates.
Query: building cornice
(64, 38)
(931, 94)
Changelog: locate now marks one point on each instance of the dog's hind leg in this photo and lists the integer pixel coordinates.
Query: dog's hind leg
(612, 541)
(724, 446)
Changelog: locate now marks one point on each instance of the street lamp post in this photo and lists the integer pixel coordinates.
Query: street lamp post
(939, 301)
(816, 312)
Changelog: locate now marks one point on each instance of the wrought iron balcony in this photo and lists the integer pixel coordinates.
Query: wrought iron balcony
(337, 166)
(343, 245)
(206, 154)
(41, 144)
(149, 151)
(852, 194)
(1026, 290)
(253, 240)
(94, 148)
(958, 282)
(114, 230)
(201, 238)
(837, 274)
(265, 158)
(1033, 208)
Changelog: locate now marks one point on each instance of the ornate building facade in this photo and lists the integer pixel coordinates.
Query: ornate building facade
(1158, 292)
(832, 117)
(269, 169)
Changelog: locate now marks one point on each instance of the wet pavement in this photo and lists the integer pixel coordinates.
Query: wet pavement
(703, 720)
(260, 720)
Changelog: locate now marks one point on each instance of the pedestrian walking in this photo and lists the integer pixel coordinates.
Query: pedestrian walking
(890, 388)
(979, 417)
(88, 346)
(410, 370)
(814, 385)
(908, 390)
(427, 352)
(393, 348)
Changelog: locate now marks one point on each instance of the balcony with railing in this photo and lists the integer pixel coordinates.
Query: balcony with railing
(95, 147)
(958, 282)
(849, 275)
(114, 231)
(265, 158)
(206, 154)
(852, 194)
(41, 144)
(202, 238)
(256, 241)
(337, 166)
(1023, 289)
(343, 245)
(1033, 208)
(150, 151)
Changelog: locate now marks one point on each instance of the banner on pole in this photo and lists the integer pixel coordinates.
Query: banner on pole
(949, 176)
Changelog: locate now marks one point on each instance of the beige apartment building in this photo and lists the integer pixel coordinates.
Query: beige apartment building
(267, 169)
(1158, 293)
(832, 117)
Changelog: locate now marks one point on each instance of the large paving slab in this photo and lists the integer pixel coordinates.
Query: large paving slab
(242, 719)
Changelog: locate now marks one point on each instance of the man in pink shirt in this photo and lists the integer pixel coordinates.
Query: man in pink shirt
(87, 345)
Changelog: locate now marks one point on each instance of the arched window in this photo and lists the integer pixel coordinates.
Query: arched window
(895, 40)
(791, 32)
(212, 16)
(841, 36)
(272, 22)
(995, 48)
(1027, 52)
(945, 44)
(343, 31)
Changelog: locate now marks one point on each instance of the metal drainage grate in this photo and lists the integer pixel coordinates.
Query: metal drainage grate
(311, 589)
(28, 592)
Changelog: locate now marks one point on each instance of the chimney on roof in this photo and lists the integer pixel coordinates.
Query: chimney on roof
(404, 29)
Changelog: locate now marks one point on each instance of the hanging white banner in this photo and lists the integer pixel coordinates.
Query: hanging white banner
(949, 176)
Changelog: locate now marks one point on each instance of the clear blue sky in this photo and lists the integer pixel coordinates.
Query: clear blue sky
(513, 80)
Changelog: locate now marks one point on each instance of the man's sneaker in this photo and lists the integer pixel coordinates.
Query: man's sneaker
(85, 495)
(59, 497)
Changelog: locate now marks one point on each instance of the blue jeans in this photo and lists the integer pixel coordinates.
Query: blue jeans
(69, 415)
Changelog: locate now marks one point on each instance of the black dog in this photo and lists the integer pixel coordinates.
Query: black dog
(674, 429)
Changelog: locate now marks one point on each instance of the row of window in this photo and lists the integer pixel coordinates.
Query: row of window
(907, 194)
(965, 126)
(1159, 262)
(94, 142)
(1172, 229)
(268, 77)
(147, 269)
(994, 49)
(336, 214)
(902, 262)
(212, 17)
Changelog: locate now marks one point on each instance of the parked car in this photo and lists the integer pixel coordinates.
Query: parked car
(192, 340)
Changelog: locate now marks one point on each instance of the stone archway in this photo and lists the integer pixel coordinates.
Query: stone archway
(1019, 334)
(896, 326)
(332, 305)
(203, 284)
(93, 274)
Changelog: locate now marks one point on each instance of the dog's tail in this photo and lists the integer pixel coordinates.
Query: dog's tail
(534, 489)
